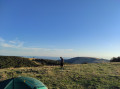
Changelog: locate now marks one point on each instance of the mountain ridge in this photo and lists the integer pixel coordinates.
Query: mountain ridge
(80, 60)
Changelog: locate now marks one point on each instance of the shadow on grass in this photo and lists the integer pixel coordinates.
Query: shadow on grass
(4, 83)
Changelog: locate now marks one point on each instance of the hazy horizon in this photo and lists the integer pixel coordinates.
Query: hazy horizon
(67, 28)
(54, 57)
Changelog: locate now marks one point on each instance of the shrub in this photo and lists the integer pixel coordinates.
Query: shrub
(115, 59)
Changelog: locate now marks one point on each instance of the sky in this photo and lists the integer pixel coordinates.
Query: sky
(67, 28)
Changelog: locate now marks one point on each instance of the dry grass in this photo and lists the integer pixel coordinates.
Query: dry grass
(31, 59)
(81, 76)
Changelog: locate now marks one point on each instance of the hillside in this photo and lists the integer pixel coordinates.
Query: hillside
(79, 60)
(13, 61)
(77, 76)
(46, 62)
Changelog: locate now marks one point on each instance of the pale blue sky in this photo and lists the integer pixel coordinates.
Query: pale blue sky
(60, 28)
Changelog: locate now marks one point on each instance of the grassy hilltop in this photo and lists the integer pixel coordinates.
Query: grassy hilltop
(77, 76)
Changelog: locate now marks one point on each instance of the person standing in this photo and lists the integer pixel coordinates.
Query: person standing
(62, 62)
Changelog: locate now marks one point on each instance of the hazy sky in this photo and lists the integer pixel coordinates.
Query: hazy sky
(60, 28)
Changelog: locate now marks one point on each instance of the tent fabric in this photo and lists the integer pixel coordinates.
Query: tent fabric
(25, 83)
(32, 82)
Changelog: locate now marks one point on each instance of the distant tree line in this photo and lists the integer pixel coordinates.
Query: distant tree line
(115, 59)
(14, 61)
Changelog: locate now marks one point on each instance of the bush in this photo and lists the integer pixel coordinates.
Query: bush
(84, 63)
(47, 61)
(115, 59)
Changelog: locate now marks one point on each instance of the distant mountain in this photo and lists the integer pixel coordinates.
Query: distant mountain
(79, 60)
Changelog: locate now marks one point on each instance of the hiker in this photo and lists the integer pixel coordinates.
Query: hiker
(62, 62)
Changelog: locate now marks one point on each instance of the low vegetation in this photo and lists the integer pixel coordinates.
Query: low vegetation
(13, 61)
(47, 61)
(115, 59)
(75, 76)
